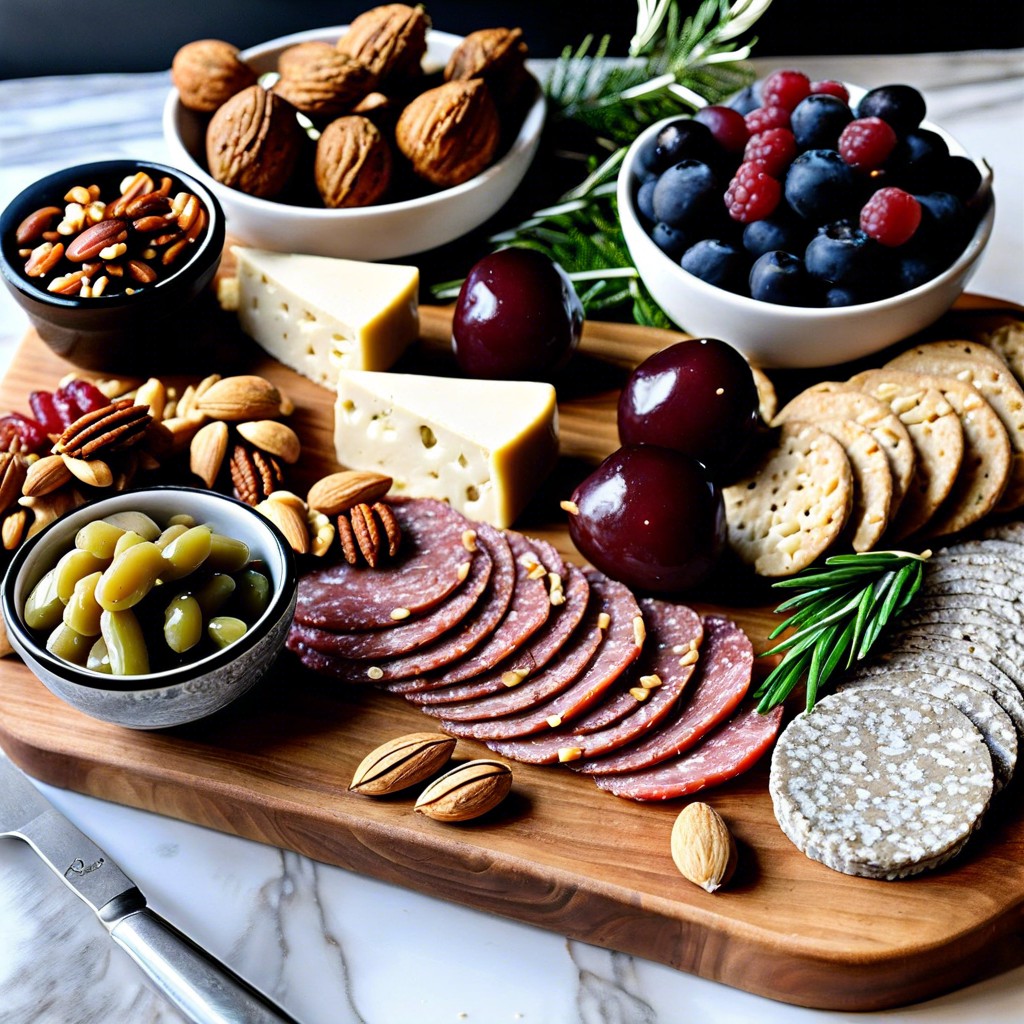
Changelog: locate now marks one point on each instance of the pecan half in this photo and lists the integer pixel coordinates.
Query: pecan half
(369, 533)
(255, 476)
(109, 428)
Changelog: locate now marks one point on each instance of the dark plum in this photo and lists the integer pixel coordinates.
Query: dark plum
(782, 278)
(648, 517)
(717, 262)
(901, 105)
(818, 121)
(698, 397)
(685, 193)
(517, 317)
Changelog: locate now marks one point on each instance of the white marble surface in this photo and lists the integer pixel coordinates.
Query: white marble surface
(333, 947)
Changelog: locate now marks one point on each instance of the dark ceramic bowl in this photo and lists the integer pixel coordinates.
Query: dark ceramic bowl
(184, 694)
(118, 333)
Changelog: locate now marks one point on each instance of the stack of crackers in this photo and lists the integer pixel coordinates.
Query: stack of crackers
(924, 447)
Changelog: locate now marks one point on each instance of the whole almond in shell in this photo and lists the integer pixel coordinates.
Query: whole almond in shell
(467, 791)
(401, 763)
(353, 163)
(702, 846)
(449, 134)
(207, 450)
(391, 40)
(253, 142)
(341, 491)
(324, 83)
(208, 72)
(273, 437)
(243, 397)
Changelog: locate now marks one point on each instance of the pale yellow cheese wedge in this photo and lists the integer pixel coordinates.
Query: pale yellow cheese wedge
(320, 315)
(483, 446)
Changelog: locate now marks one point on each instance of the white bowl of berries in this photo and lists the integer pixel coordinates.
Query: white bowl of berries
(807, 224)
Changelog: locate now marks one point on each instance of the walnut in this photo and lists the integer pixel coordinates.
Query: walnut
(323, 82)
(292, 60)
(391, 40)
(498, 56)
(253, 142)
(209, 72)
(353, 163)
(449, 134)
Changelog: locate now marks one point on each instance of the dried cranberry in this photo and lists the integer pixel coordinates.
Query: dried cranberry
(14, 426)
(86, 395)
(41, 404)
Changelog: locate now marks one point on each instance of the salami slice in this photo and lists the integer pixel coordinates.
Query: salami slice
(527, 661)
(413, 633)
(620, 648)
(722, 681)
(431, 563)
(730, 750)
(527, 612)
(674, 635)
(475, 628)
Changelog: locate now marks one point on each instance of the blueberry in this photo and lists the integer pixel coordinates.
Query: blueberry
(686, 194)
(958, 175)
(902, 106)
(645, 198)
(718, 263)
(818, 121)
(841, 254)
(672, 241)
(915, 162)
(747, 99)
(820, 186)
(914, 268)
(945, 224)
(684, 139)
(780, 277)
(779, 231)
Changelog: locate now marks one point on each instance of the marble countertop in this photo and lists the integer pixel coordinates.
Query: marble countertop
(330, 946)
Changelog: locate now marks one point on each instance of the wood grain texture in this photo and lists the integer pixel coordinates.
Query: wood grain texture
(558, 853)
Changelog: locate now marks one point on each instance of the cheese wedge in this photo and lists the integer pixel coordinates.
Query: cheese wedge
(483, 446)
(320, 315)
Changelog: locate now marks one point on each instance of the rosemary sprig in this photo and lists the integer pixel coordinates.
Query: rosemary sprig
(837, 618)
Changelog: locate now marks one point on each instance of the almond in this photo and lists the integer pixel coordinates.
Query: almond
(290, 520)
(207, 451)
(244, 397)
(342, 491)
(273, 437)
(45, 475)
(467, 791)
(702, 846)
(401, 763)
(93, 472)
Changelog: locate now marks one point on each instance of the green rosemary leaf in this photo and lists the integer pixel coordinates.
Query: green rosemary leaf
(781, 680)
(831, 663)
(864, 610)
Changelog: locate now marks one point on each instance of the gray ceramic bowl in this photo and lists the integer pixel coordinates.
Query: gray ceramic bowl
(185, 694)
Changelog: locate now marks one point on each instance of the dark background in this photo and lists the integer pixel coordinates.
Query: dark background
(47, 37)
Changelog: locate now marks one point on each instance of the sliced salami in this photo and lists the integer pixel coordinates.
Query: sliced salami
(730, 750)
(722, 680)
(431, 563)
(413, 633)
(527, 612)
(527, 661)
(674, 635)
(619, 649)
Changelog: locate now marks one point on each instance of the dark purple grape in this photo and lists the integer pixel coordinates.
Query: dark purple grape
(698, 397)
(648, 517)
(517, 317)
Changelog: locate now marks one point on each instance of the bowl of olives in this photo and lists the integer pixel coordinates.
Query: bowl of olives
(152, 608)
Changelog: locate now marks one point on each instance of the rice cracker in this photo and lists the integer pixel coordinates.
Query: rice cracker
(985, 468)
(986, 371)
(794, 504)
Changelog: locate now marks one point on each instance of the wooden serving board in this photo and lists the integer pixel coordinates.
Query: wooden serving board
(559, 853)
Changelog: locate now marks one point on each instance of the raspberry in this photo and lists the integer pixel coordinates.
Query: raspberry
(774, 149)
(785, 89)
(867, 143)
(728, 127)
(752, 193)
(766, 117)
(830, 87)
(890, 216)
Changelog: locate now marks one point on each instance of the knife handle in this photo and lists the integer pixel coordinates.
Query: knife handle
(203, 989)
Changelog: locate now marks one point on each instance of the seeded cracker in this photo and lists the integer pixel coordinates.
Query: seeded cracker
(873, 785)
(794, 504)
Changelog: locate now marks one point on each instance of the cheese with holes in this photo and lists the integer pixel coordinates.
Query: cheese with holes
(320, 315)
(483, 446)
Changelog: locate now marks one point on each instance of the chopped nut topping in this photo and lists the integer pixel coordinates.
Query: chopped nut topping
(639, 693)
(400, 613)
(570, 506)
(639, 631)
(469, 540)
(374, 672)
(514, 676)
(554, 721)
(604, 620)
(650, 682)
(463, 571)
(569, 754)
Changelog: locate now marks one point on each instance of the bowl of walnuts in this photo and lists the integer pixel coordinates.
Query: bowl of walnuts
(374, 140)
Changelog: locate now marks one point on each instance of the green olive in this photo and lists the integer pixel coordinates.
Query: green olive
(136, 522)
(66, 644)
(72, 567)
(187, 552)
(43, 607)
(226, 629)
(227, 554)
(99, 538)
(214, 593)
(82, 612)
(126, 645)
(130, 576)
(183, 623)
(182, 519)
(99, 660)
(128, 539)
(171, 533)
(253, 593)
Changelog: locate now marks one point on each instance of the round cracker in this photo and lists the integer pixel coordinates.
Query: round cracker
(985, 468)
(794, 504)
(832, 400)
(984, 370)
(1007, 342)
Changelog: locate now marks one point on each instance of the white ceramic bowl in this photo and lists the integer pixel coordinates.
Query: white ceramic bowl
(772, 335)
(384, 231)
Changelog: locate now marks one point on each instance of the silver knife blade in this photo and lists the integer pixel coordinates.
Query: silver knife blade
(26, 814)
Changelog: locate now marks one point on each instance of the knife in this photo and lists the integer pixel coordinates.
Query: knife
(203, 989)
